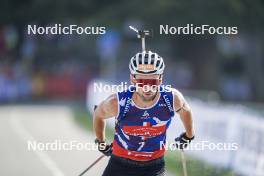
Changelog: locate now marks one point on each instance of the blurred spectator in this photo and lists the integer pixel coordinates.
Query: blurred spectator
(11, 37)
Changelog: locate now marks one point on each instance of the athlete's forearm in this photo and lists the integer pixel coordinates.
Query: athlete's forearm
(107, 109)
(99, 128)
(186, 117)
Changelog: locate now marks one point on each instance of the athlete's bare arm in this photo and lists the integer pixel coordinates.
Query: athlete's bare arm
(106, 109)
(184, 110)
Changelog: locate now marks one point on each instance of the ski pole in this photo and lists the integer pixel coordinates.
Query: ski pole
(142, 35)
(183, 163)
(96, 161)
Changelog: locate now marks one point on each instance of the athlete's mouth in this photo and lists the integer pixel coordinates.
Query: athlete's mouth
(149, 93)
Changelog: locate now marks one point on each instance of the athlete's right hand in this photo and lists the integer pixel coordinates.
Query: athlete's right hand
(103, 147)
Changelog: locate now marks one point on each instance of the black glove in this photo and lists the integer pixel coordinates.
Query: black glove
(182, 141)
(103, 147)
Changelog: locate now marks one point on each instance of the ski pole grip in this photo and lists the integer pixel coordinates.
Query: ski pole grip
(144, 33)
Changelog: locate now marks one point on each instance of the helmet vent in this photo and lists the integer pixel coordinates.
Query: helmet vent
(161, 65)
(158, 62)
(134, 63)
(152, 61)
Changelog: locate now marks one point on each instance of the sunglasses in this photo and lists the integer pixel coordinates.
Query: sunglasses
(150, 82)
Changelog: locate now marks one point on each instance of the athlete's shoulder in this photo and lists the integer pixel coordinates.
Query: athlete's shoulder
(178, 98)
(109, 107)
(111, 101)
(176, 93)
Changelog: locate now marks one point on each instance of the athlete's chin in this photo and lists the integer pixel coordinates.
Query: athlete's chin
(148, 97)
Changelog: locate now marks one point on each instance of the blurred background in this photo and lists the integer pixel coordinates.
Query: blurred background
(221, 75)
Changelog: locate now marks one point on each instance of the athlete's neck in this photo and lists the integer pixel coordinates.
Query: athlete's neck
(144, 104)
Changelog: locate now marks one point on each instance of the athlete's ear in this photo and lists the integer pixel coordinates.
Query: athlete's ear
(132, 79)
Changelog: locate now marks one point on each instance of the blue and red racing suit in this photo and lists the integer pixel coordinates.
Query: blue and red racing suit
(140, 133)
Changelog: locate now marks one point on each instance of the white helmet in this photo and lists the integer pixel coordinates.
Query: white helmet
(146, 62)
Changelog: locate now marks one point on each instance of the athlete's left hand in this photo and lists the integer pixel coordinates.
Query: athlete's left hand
(182, 141)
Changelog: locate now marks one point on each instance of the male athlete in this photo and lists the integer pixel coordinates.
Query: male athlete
(143, 114)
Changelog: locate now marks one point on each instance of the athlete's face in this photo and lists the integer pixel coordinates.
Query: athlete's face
(147, 85)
